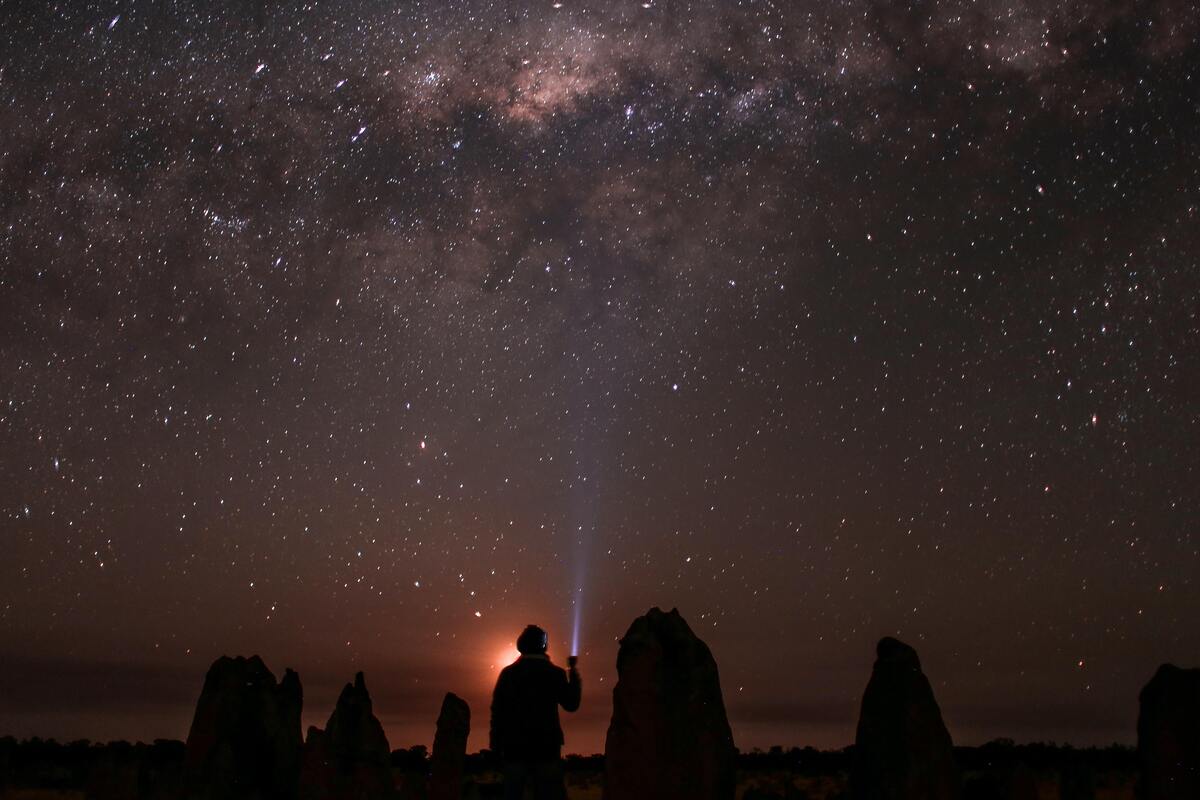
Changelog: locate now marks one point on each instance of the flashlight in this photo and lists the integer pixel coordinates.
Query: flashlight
(572, 661)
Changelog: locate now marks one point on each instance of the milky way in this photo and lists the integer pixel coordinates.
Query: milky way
(344, 333)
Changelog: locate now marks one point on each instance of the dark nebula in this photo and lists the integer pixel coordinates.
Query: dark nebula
(354, 334)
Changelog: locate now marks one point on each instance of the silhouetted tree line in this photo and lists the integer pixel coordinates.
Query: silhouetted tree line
(1045, 756)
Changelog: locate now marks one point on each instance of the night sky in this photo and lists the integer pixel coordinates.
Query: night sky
(360, 334)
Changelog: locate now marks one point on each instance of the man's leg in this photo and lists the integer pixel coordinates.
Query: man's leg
(549, 780)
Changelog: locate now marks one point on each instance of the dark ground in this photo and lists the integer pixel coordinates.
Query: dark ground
(46, 769)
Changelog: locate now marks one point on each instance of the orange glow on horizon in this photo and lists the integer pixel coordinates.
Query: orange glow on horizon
(504, 656)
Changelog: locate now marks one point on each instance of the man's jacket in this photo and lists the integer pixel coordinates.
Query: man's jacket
(525, 709)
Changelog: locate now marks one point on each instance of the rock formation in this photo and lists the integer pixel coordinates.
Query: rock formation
(902, 749)
(350, 759)
(245, 736)
(450, 749)
(669, 738)
(1169, 735)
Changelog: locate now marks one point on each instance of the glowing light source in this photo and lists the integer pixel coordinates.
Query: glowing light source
(505, 656)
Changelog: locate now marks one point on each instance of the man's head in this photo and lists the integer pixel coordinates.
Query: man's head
(532, 641)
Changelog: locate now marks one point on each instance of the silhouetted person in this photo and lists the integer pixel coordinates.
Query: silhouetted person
(525, 731)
